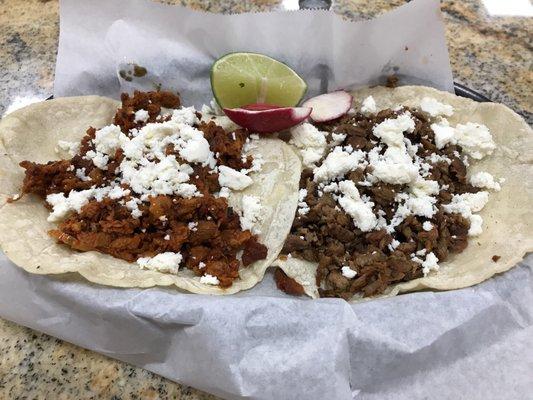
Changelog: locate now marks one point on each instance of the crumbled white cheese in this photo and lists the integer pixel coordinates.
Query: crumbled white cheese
(421, 252)
(435, 108)
(467, 204)
(163, 262)
(444, 133)
(251, 213)
(347, 272)
(484, 180)
(427, 226)
(108, 139)
(60, 207)
(100, 160)
(416, 259)
(71, 148)
(141, 116)
(423, 167)
(233, 179)
(205, 110)
(196, 150)
(192, 226)
(303, 208)
(209, 279)
(476, 225)
(63, 205)
(475, 140)
(201, 265)
(257, 164)
(225, 123)
(422, 206)
(393, 245)
(337, 163)
(435, 158)
(331, 187)
(430, 263)
(418, 201)
(337, 139)
(369, 106)
(164, 177)
(311, 156)
(217, 110)
(360, 211)
(224, 192)
(412, 149)
(146, 167)
(394, 166)
(310, 142)
(194, 147)
(185, 115)
(424, 187)
(134, 208)
(118, 192)
(399, 215)
(391, 130)
(80, 174)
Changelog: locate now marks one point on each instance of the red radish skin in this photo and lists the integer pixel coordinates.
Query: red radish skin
(257, 118)
(260, 107)
(329, 106)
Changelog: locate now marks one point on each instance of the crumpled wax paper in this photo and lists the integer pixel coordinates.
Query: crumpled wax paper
(473, 343)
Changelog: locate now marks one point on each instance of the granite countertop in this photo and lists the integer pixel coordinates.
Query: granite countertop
(489, 53)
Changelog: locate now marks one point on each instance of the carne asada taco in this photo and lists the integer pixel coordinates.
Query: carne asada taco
(150, 194)
(414, 189)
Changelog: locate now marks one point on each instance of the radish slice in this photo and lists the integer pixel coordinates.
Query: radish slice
(260, 107)
(260, 119)
(329, 106)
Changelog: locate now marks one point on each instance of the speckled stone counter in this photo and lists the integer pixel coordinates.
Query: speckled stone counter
(489, 53)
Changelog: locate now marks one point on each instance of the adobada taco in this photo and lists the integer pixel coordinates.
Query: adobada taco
(151, 194)
(414, 189)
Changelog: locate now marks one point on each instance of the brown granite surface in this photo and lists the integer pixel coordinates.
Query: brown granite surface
(488, 53)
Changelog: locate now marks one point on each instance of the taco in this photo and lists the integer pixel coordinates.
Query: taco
(414, 189)
(143, 193)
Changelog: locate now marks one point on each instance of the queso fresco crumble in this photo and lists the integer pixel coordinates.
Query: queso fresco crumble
(385, 197)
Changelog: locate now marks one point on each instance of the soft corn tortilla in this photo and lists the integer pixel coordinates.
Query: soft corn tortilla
(32, 134)
(507, 217)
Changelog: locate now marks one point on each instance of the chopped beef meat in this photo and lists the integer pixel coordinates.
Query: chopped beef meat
(328, 236)
(253, 251)
(149, 101)
(294, 243)
(203, 229)
(287, 284)
(392, 81)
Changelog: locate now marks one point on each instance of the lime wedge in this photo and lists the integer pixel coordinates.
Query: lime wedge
(239, 79)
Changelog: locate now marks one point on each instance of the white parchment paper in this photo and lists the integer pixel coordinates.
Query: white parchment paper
(178, 46)
(473, 343)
